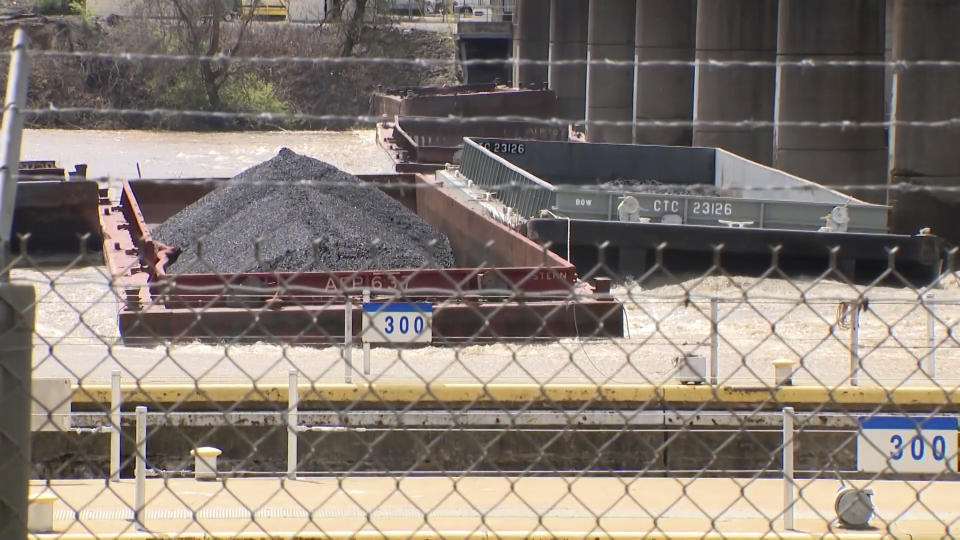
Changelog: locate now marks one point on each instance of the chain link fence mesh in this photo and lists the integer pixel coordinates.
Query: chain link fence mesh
(512, 395)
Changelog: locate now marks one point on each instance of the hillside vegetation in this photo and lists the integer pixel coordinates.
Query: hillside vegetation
(138, 91)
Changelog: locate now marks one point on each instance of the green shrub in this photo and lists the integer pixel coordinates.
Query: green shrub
(247, 92)
(180, 89)
(51, 6)
(183, 89)
(79, 7)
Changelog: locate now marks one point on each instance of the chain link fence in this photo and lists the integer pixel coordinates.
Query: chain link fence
(516, 375)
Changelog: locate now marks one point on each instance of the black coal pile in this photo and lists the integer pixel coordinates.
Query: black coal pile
(295, 213)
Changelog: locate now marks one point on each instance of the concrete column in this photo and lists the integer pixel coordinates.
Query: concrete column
(568, 41)
(888, 58)
(610, 87)
(531, 38)
(665, 30)
(831, 30)
(926, 155)
(736, 30)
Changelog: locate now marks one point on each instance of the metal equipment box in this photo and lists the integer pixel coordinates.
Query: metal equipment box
(51, 404)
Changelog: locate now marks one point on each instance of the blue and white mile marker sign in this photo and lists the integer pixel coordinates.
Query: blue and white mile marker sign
(397, 322)
(907, 444)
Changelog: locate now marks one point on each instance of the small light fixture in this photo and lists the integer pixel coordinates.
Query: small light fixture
(854, 507)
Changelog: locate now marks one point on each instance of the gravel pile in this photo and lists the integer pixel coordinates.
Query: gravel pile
(268, 218)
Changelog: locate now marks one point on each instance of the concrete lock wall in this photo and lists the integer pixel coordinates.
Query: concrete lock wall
(665, 30)
(736, 30)
(925, 155)
(263, 448)
(831, 30)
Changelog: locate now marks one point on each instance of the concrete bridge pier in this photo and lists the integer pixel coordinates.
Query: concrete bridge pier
(531, 38)
(665, 30)
(925, 155)
(736, 30)
(831, 30)
(610, 36)
(568, 41)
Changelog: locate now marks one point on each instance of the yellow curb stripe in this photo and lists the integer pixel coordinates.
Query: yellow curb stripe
(506, 535)
(522, 393)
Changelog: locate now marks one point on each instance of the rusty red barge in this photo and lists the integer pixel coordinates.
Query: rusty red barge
(506, 286)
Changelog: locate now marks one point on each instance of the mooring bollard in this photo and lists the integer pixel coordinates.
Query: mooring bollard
(205, 462)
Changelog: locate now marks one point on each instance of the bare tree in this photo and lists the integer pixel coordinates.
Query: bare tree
(353, 27)
(202, 34)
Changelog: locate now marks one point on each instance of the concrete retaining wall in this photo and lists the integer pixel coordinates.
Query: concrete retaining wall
(59, 455)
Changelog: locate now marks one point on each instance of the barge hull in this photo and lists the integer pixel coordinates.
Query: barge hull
(510, 288)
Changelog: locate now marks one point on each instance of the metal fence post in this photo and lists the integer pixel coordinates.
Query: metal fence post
(293, 422)
(11, 132)
(931, 336)
(140, 474)
(115, 404)
(714, 340)
(788, 489)
(17, 317)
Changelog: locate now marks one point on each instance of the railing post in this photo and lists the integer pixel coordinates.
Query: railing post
(788, 486)
(714, 340)
(366, 344)
(854, 317)
(140, 474)
(115, 405)
(931, 336)
(347, 339)
(293, 422)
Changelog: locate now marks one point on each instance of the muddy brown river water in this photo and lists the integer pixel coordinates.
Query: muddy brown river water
(765, 320)
(116, 154)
